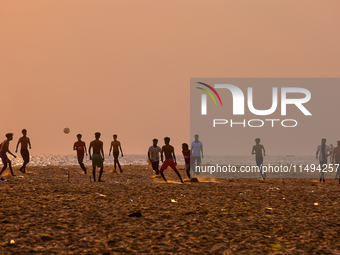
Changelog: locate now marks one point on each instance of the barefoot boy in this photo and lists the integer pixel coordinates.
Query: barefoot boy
(4, 148)
(115, 145)
(25, 142)
(97, 157)
(257, 150)
(80, 146)
(324, 151)
(170, 159)
(153, 155)
(186, 155)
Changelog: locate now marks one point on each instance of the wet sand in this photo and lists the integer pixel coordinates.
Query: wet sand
(43, 213)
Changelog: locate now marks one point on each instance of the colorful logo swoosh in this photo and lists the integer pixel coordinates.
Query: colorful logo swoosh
(212, 89)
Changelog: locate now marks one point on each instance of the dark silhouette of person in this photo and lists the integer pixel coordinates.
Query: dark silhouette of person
(153, 155)
(80, 146)
(25, 143)
(4, 148)
(196, 153)
(336, 160)
(257, 150)
(186, 155)
(97, 157)
(323, 151)
(115, 146)
(170, 159)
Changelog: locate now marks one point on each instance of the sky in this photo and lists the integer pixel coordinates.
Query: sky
(124, 67)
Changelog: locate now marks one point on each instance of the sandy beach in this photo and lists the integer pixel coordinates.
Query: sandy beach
(45, 211)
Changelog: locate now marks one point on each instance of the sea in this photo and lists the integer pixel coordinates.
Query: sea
(134, 159)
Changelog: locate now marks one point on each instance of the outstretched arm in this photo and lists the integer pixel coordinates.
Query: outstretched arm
(102, 151)
(253, 151)
(174, 156)
(149, 155)
(121, 151)
(110, 149)
(16, 150)
(90, 151)
(29, 143)
(202, 151)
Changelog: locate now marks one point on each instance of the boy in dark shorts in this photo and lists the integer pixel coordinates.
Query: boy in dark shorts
(25, 142)
(4, 148)
(170, 159)
(186, 155)
(115, 145)
(257, 150)
(80, 146)
(153, 155)
(97, 157)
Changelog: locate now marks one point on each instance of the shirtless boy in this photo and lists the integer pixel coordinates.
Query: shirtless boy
(97, 157)
(170, 159)
(257, 150)
(4, 148)
(25, 142)
(115, 145)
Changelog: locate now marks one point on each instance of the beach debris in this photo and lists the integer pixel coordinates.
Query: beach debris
(135, 214)
(12, 242)
(173, 201)
(276, 247)
(3, 179)
(316, 203)
(284, 198)
(269, 208)
(102, 195)
(116, 182)
(131, 200)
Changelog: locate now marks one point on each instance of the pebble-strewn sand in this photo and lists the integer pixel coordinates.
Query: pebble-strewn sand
(43, 213)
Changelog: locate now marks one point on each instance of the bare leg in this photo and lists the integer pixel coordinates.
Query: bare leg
(94, 174)
(119, 166)
(162, 174)
(10, 167)
(188, 172)
(178, 174)
(100, 174)
(83, 167)
(3, 169)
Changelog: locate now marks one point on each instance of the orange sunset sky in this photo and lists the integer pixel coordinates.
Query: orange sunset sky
(125, 66)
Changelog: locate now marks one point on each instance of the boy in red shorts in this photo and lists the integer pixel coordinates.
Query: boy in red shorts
(80, 146)
(170, 159)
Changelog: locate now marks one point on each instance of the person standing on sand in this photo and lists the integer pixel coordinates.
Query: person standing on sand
(257, 150)
(153, 155)
(4, 148)
(115, 145)
(324, 151)
(196, 152)
(170, 159)
(25, 142)
(336, 160)
(186, 155)
(80, 146)
(97, 157)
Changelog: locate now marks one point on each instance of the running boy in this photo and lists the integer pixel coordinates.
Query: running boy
(153, 155)
(4, 148)
(115, 145)
(170, 159)
(97, 157)
(80, 146)
(25, 142)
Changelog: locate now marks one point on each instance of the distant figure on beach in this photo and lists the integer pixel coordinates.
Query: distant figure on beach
(25, 143)
(336, 160)
(170, 159)
(257, 150)
(153, 155)
(332, 151)
(80, 146)
(196, 153)
(115, 145)
(97, 157)
(186, 155)
(324, 151)
(4, 148)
